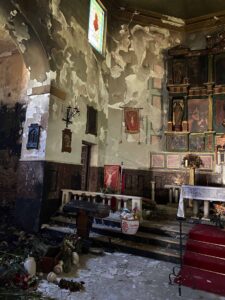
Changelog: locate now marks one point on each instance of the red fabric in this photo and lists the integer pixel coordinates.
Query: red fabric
(202, 280)
(205, 248)
(208, 233)
(210, 263)
(204, 260)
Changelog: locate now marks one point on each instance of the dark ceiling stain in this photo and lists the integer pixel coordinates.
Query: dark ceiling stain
(184, 9)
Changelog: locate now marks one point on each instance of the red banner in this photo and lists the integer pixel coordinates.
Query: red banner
(132, 120)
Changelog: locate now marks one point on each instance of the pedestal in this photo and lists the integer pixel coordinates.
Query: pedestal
(191, 182)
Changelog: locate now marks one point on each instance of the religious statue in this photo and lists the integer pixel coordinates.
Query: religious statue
(178, 111)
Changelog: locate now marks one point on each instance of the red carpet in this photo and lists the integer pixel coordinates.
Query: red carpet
(204, 260)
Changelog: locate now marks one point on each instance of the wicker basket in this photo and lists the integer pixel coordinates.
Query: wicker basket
(129, 226)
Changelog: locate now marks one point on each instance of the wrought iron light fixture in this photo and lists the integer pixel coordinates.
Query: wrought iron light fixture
(71, 112)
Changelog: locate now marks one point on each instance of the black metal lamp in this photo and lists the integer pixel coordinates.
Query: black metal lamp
(71, 112)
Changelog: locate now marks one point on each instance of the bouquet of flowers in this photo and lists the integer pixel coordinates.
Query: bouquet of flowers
(192, 161)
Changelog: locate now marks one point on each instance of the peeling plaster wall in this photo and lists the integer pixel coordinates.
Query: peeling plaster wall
(14, 79)
(82, 74)
(131, 74)
(137, 70)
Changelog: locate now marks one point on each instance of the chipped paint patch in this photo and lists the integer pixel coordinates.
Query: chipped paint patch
(177, 22)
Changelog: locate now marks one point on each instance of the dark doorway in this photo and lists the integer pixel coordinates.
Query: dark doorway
(85, 161)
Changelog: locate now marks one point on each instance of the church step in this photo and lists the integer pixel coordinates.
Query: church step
(145, 250)
(139, 237)
(167, 228)
(150, 232)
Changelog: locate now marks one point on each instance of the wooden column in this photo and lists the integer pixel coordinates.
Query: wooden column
(210, 92)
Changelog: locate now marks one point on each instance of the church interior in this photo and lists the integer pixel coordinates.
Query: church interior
(110, 109)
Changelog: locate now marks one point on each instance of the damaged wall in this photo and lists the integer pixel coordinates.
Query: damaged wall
(13, 100)
(81, 74)
(137, 70)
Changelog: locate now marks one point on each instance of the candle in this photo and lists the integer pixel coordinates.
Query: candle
(186, 163)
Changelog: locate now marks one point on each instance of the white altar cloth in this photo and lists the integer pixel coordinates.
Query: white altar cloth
(198, 192)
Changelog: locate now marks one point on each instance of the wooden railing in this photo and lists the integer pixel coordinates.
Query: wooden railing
(126, 201)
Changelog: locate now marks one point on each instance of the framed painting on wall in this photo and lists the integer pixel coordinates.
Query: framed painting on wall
(177, 142)
(198, 112)
(173, 161)
(207, 162)
(197, 142)
(219, 114)
(66, 140)
(157, 160)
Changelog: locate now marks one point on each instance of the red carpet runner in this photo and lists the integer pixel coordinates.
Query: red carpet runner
(204, 260)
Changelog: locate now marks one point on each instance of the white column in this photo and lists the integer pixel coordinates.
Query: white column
(153, 190)
(195, 208)
(176, 195)
(206, 210)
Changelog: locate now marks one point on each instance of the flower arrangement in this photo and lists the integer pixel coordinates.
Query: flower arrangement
(219, 209)
(192, 161)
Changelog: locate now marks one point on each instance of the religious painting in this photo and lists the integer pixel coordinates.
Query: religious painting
(97, 26)
(177, 142)
(157, 160)
(209, 142)
(173, 161)
(198, 115)
(112, 177)
(33, 136)
(219, 114)
(219, 67)
(132, 120)
(207, 161)
(66, 140)
(197, 70)
(197, 142)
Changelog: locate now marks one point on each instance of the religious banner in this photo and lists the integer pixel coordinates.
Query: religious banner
(132, 120)
(112, 177)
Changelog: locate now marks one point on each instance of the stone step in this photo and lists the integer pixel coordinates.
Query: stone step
(146, 250)
(140, 237)
(167, 229)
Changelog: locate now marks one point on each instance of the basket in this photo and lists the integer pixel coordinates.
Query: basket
(129, 226)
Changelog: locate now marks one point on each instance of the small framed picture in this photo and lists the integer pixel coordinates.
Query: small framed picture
(173, 161)
(157, 160)
(197, 142)
(207, 161)
(33, 136)
(176, 142)
(66, 140)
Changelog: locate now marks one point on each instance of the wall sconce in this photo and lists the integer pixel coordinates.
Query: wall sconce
(71, 112)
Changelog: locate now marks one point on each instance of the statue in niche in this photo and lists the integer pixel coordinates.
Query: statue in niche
(178, 72)
(178, 112)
